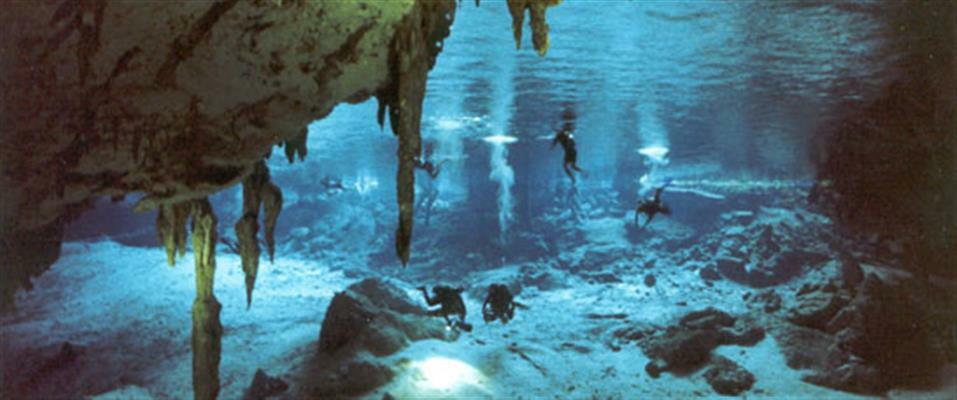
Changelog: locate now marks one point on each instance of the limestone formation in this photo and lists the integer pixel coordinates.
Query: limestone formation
(370, 319)
(536, 10)
(171, 229)
(411, 55)
(178, 99)
(207, 330)
(258, 193)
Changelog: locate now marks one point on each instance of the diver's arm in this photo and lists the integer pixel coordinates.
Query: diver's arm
(432, 301)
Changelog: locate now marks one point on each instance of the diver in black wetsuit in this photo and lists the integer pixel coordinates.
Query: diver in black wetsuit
(428, 167)
(425, 163)
(451, 302)
(332, 184)
(565, 137)
(499, 304)
(652, 206)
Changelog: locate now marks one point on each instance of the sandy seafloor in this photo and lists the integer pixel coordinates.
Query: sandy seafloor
(128, 316)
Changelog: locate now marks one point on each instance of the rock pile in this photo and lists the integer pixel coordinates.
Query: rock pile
(686, 347)
(764, 249)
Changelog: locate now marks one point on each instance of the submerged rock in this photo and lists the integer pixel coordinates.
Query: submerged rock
(264, 386)
(687, 345)
(375, 316)
(728, 378)
(709, 273)
(369, 320)
(882, 338)
(352, 378)
(815, 309)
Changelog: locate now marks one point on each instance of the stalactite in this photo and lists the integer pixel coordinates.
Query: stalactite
(536, 10)
(296, 146)
(412, 54)
(207, 330)
(171, 229)
(272, 205)
(246, 230)
(258, 192)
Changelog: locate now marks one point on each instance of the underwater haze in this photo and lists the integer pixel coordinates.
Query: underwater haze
(742, 283)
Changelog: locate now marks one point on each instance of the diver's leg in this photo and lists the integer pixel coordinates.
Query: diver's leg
(568, 171)
(648, 221)
(434, 313)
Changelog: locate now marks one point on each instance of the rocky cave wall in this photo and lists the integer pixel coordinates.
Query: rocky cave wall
(176, 100)
(889, 169)
(180, 99)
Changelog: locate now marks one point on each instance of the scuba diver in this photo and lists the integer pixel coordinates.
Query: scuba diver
(425, 163)
(451, 302)
(499, 304)
(565, 137)
(428, 167)
(431, 192)
(651, 206)
(332, 184)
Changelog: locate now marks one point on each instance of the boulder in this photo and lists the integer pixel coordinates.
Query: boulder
(816, 309)
(376, 316)
(264, 386)
(732, 268)
(803, 348)
(769, 301)
(709, 273)
(687, 346)
(728, 378)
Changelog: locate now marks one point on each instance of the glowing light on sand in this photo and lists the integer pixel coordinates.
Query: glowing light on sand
(440, 373)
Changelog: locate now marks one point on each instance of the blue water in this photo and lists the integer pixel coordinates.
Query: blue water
(729, 101)
(735, 92)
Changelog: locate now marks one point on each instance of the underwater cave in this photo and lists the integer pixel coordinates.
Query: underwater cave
(509, 199)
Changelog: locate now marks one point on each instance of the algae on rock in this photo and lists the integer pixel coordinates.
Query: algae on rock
(258, 192)
(207, 330)
(536, 10)
(171, 229)
(296, 146)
